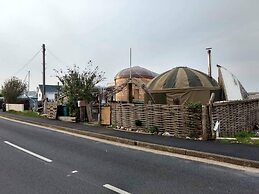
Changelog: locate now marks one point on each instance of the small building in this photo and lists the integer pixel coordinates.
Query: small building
(140, 75)
(182, 84)
(31, 94)
(253, 95)
(109, 94)
(29, 99)
(50, 90)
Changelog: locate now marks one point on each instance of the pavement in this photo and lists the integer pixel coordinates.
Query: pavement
(239, 154)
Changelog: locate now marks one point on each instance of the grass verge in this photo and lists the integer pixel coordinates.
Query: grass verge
(242, 137)
(25, 113)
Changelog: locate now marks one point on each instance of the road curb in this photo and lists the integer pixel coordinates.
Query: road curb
(175, 150)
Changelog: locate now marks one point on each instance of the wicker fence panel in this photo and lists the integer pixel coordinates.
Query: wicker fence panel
(180, 122)
(126, 115)
(170, 118)
(119, 115)
(150, 116)
(235, 116)
(139, 113)
(193, 122)
(113, 114)
(133, 117)
(158, 117)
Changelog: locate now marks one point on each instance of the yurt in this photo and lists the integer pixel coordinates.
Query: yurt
(182, 84)
(140, 76)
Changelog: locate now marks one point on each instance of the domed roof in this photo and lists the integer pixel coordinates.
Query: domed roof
(180, 78)
(136, 72)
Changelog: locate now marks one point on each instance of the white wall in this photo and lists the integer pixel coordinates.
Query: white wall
(15, 107)
(39, 95)
(49, 95)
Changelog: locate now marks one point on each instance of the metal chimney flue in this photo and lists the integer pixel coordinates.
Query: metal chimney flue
(209, 61)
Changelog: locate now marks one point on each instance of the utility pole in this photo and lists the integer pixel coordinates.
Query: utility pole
(43, 63)
(44, 84)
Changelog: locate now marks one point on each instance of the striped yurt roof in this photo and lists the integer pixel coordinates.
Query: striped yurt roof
(136, 72)
(182, 77)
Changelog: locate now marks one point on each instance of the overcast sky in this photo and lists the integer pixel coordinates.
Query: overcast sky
(163, 34)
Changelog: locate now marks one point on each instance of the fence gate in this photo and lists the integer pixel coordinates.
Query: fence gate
(106, 115)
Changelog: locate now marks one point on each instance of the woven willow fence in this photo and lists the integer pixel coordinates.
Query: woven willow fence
(178, 120)
(183, 121)
(236, 116)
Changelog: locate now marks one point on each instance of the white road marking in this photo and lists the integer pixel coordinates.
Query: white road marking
(28, 152)
(72, 172)
(115, 189)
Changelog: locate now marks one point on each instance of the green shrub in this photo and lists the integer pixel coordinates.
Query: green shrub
(111, 126)
(244, 137)
(138, 123)
(153, 129)
(196, 107)
(195, 134)
(242, 134)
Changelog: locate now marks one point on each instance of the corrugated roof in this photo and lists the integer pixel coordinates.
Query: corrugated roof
(50, 88)
(182, 77)
(136, 72)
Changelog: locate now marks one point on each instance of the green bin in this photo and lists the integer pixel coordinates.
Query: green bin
(65, 111)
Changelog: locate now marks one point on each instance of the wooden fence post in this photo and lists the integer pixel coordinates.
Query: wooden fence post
(204, 122)
(212, 97)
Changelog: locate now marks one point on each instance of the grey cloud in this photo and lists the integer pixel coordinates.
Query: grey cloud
(163, 34)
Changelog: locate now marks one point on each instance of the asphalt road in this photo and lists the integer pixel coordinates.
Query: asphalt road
(36, 160)
(244, 151)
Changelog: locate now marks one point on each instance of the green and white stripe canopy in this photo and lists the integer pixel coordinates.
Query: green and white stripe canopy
(182, 78)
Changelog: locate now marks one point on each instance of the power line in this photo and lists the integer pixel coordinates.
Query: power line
(53, 55)
(26, 64)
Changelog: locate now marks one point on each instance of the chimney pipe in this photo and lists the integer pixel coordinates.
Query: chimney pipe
(209, 61)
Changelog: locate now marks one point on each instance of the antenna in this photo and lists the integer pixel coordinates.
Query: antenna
(130, 83)
(130, 65)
